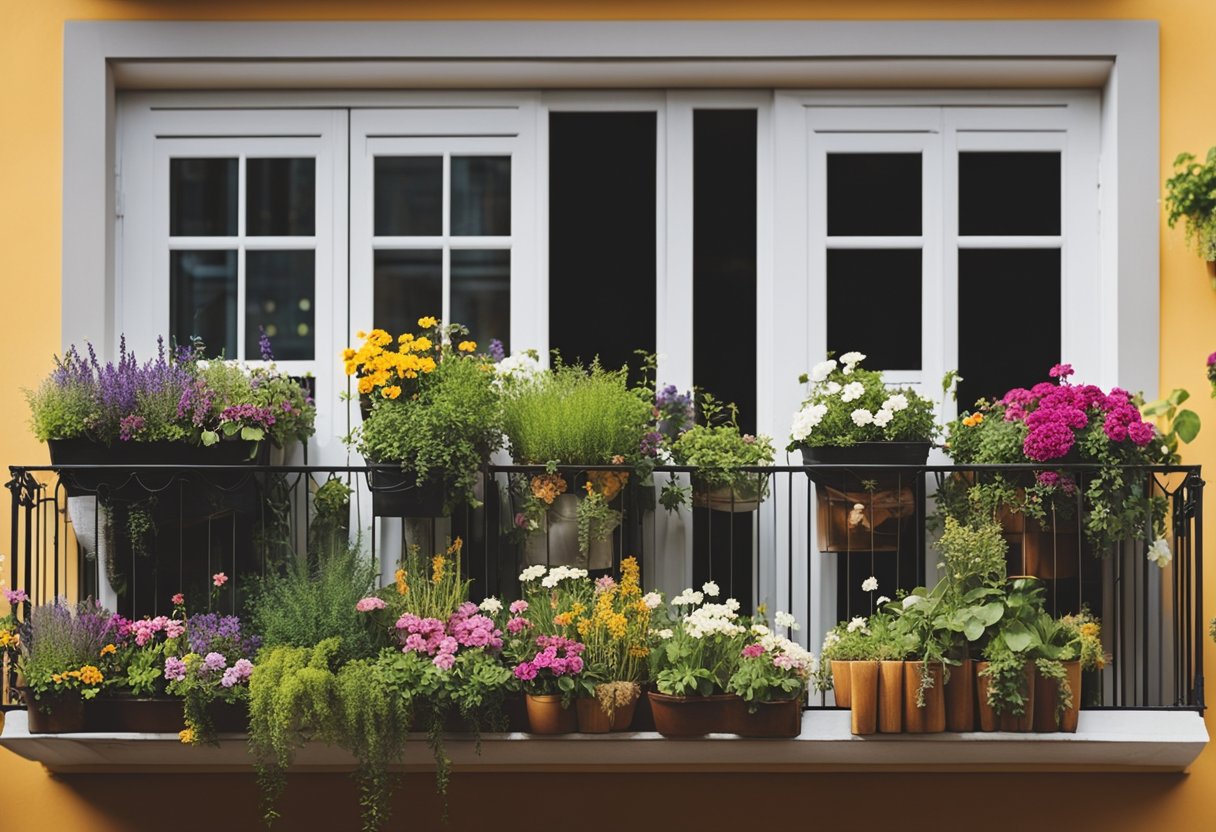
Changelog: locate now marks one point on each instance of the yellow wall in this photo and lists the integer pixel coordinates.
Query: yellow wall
(31, 36)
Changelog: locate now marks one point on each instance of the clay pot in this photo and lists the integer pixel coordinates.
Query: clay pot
(1046, 696)
(779, 719)
(593, 719)
(990, 720)
(863, 685)
(54, 713)
(890, 697)
(987, 716)
(960, 697)
(931, 719)
(547, 716)
(691, 716)
(840, 683)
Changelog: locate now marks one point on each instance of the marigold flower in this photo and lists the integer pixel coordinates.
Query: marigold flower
(90, 675)
(973, 420)
(108, 649)
(391, 392)
(422, 344)
(427, 322)
(467, 346)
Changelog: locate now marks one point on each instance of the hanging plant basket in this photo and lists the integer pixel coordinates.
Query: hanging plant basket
(132, 485)
(396, 493)
(742, 496)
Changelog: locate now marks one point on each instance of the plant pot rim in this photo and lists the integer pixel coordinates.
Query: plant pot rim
(667, 697)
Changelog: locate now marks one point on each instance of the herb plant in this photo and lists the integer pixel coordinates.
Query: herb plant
(1190, 195)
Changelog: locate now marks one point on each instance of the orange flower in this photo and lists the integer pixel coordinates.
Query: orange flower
(467, 346)
(973, 420)
(391, 392)
(108, 649)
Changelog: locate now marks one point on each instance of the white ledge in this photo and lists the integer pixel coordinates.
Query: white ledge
(1105, 741)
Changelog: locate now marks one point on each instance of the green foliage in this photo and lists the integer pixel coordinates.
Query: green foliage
(1008, 687)
(717, 448)
(60, 411)
(59, 641)
(1180, 424)
(575, 416)
(305, 606)
(445, 432)
(972, 555)
(757, 679)
(702, 653)
(1190, 195)
(330, 526)
(596, 520)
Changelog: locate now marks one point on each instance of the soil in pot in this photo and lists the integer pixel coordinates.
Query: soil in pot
(773, 720)
(547, 716)
(930, 719)
(1047, 697)
(863, 692)
(691, 716)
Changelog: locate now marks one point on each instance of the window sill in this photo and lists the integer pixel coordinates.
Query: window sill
(1105, 741)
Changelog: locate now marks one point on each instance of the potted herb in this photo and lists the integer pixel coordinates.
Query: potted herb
(1190, 195)
(1005, 678)
(59, 666)
(1070, 645)
(692, 663)
(770, 681)
(432, 418)
(718, 450)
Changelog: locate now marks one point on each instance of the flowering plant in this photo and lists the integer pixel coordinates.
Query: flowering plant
(61, 648)
(137, 653)
(845, 405)
(771, 666)
(434, 406)
(700, 647)
(718, 449)
(215, 666)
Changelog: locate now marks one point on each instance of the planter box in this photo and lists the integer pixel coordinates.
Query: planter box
(134, 486)
(127, 714)
(396, 493)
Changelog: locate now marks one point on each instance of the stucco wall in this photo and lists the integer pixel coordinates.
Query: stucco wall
(31, 35)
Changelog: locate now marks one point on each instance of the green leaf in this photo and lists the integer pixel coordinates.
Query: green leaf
(1186, 425)
(1018, 637)
(210, 437)
(973, 629)
(991, 613)
(1156, 408)
(1179, 395)
(252, 434)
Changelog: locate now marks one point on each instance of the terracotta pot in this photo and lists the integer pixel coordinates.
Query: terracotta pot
(782, 718)
(930, 719)
(54, 714)
(864, 697)
(593, 719)
(128, 714)
(990, 720)
(738, 500)
(840, 683)
(890, 697)
(547, 716)
(986, 715)
(960, 697)
(643, 717)
(1046, 697)
(691, 716)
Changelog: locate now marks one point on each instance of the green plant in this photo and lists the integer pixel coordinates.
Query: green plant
(61, 648)
(972, 555)
(596, 518)
(1190, 195)
(770, 668)
(1180, 424)
(703, 647)
(718, 449)
(330, 526)
(1015, 642)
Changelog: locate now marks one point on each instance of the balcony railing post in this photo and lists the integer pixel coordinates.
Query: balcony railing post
(1196, 485)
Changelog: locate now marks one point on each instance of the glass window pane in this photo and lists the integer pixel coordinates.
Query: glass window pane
(408, 285)
(280, 197)
(202, 299)
(874, 194)
(409, 196)
(1016, 293)
(874, 306)
(279, 296)
(1009, 193)
(202, 197)
(481, 294)
(481, 196)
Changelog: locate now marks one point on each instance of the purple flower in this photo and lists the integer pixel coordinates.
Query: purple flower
(175, 669)
(525, 671)
(128, 426)
(15, 596)
(264, 345)
(214, 661)
(1212, 359)
(496, 350)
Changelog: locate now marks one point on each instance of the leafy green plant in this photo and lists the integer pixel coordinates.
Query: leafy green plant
(61, 648)
(596, 519)
(718, 449)
(1179, 424)
(1190, 195)
(771, 668)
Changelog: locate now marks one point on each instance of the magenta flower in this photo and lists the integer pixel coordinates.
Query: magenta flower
(1212, 359)
(1061, 371)
(369, 604)
(517, 625)
(15, 596)
(525, 671)
(751, 651)
(219, 579)
(178, 600)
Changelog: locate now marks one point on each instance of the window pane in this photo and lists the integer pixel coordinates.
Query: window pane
(280, 197)
(279, 295)
(1008, 320)
(874, 194)
(202, 197)
(408, 285)
(202, 299)
(481, 196)
(1009, 193)
(602, 245)
(481, 294)
(409, 196)
(874, 306)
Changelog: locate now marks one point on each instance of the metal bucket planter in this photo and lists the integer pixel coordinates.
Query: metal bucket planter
(555, 542)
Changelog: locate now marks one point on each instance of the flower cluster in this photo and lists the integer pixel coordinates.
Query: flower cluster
(145, 629)
(441, 640)
(557, 656)
(386, 367)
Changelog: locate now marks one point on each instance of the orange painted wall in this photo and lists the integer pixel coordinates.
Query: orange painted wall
(31, 37)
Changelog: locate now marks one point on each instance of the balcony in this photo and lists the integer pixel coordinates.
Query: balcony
(814, 535)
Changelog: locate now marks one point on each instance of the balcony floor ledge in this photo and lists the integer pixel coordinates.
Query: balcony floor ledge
(1161, 741)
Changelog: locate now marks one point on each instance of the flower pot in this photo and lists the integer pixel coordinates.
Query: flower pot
(593, 719)
(691, 716)
(396, 493)
(229, 717)
(853, 518)
(1025, 723)
(128, 714)
(61, 713)
(643, 717)
(987, 717)
(840, 683)
(886, 454)
(773, 720)
(930, 719)
(990, 720)
(741, 498)
(960, 698)
(1046, 698)
(863, 692)
(547, 716)
(555, 543)
(890, 697)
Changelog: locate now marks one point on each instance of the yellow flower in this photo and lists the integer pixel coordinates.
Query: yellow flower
(427, 322)
(467, 346)
(562, 620)
(391, 392)
(402, 587)
(405, 338)
(437, 564)
(973, 420)
(186, 735)
(1090, 629)
(360, 335)
(90, 675)
(348, 354)
(108, 649)
(422, 344)
(366, 385)
(379, 337)
(456, 546)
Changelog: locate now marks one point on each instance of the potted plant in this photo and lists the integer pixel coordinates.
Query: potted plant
(432, 418)
(1070, 645)
(210, 672)
(134, 661)
(770, 681)
(1005, 678)
(692, 663)
(59, 666)
(573, 416)
(844, 644)
(1190, 195)
(718, 450)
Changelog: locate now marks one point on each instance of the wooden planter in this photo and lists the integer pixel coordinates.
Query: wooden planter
(990, 720)
(890, 697)
(930, 719)
(841, 684)
(691, 716)
(960, 697)
(864, 693)
(1046, 698)
(547, 716)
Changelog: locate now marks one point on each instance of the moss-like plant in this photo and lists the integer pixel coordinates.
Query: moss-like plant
(373, 722)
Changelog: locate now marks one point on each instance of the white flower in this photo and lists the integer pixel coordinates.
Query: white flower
(823, 369)
(652, 599)
(852, 359)
(663, 634)
(882, 599)
(531, 573)
(561, 573)
(830, 638)
(858, 623)
(911, 601)
(806, 420)
(883, 418)
(785, 621)
(1165, 449)
(1159, 553)
(870, 584)
(759, 630)
(862, 417)
(710, 588)
(520, 365)
(852, 391)
(832, 387)
(732, 605)
(896, 403)
(687, 598)
(491, 605)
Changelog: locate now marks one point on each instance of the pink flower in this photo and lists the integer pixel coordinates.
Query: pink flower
(178, 600)
(604, 583)
(525, 671)
(175, 669)
(1060, 371)
(1212, 359)
(783, 661)
(370, 603)
(15, 596)
(444, 661)
(518, 607)
(521, 520)
(751, 651)
(517, 625)
(219, 579)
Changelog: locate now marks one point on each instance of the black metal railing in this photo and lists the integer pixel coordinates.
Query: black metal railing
(803, 540)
